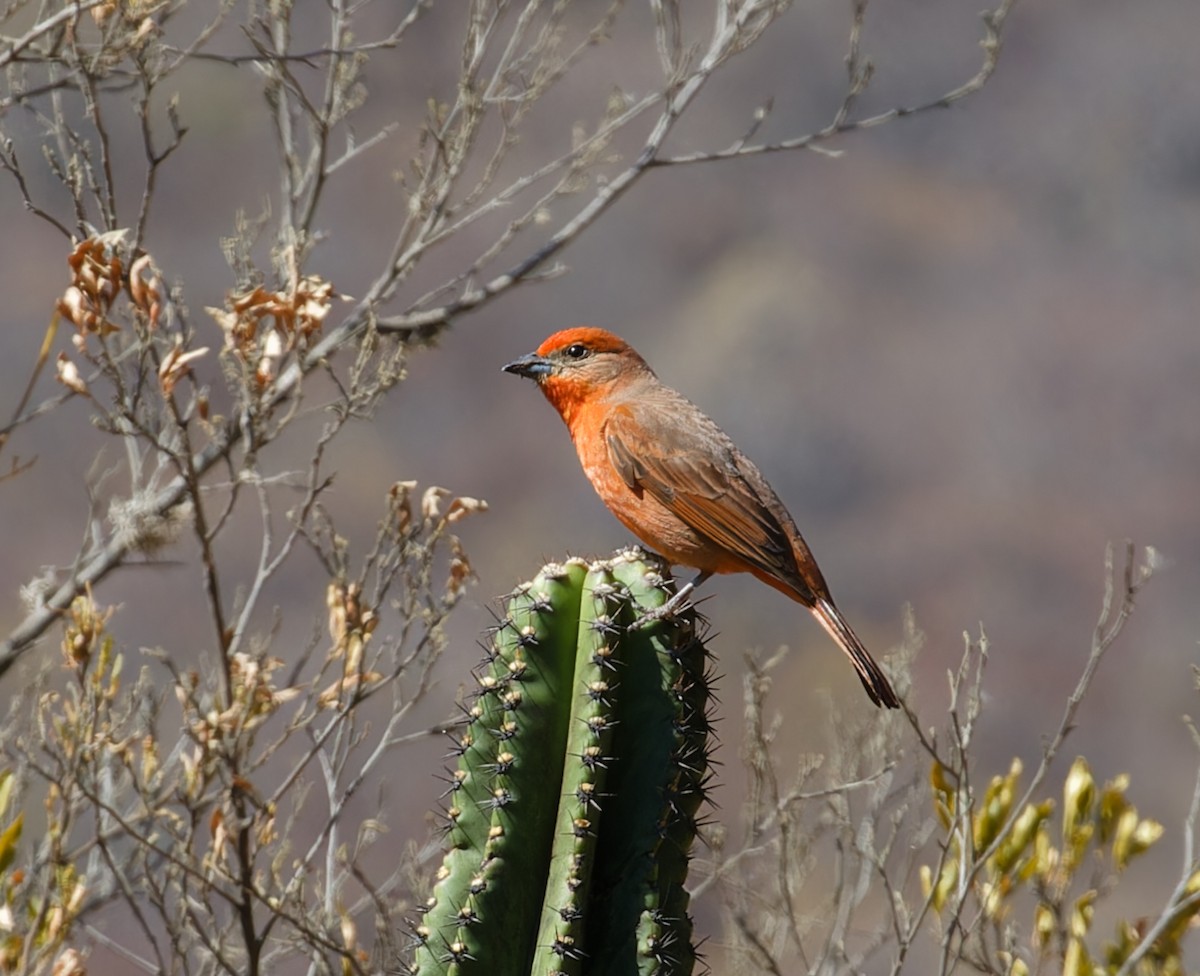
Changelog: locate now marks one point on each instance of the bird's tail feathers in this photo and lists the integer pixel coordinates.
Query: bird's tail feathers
(869, 673)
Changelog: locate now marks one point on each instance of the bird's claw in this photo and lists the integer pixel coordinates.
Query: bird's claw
(677, 602)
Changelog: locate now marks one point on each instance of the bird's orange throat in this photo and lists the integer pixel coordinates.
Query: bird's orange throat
(567, 397)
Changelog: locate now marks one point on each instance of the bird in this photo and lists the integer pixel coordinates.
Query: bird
(678, 482)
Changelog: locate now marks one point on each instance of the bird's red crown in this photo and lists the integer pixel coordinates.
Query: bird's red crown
(598, 340)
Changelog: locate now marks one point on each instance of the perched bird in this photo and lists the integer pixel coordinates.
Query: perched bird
(678, 482)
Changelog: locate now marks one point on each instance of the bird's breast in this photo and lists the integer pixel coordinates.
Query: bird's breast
(646, 517)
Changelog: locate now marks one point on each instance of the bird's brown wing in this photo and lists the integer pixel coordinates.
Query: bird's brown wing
(697, 474)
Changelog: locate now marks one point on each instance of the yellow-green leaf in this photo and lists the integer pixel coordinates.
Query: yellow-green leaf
(8, 842)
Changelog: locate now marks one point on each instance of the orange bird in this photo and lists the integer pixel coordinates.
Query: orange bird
(678, 482)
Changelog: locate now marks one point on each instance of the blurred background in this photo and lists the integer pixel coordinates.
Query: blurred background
(965, 352)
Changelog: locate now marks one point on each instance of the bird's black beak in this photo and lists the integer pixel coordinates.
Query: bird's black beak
(532, 366)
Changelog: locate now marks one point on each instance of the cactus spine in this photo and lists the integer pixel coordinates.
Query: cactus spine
(581, 767)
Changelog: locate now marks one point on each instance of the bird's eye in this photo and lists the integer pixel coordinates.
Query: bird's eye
(577, 350)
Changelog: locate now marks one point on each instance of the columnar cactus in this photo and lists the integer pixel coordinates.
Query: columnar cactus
(581, 767)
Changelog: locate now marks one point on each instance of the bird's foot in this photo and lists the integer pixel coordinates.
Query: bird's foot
(677, 602)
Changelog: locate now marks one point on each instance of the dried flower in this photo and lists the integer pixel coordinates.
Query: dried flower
(69, 963)
(262, 326)
(336, 692)
(67, 373)
(146, 290)
(85, 630)
(398, 501)
(463, 506)
(460, 570)
(176, 365)
(431, 502)
(96, 275)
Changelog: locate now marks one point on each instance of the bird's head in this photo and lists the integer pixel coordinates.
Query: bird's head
(580, 364)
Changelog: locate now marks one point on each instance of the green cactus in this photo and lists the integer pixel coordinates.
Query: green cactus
(582, 765)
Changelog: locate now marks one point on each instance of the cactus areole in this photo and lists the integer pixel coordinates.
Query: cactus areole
(582, 765)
